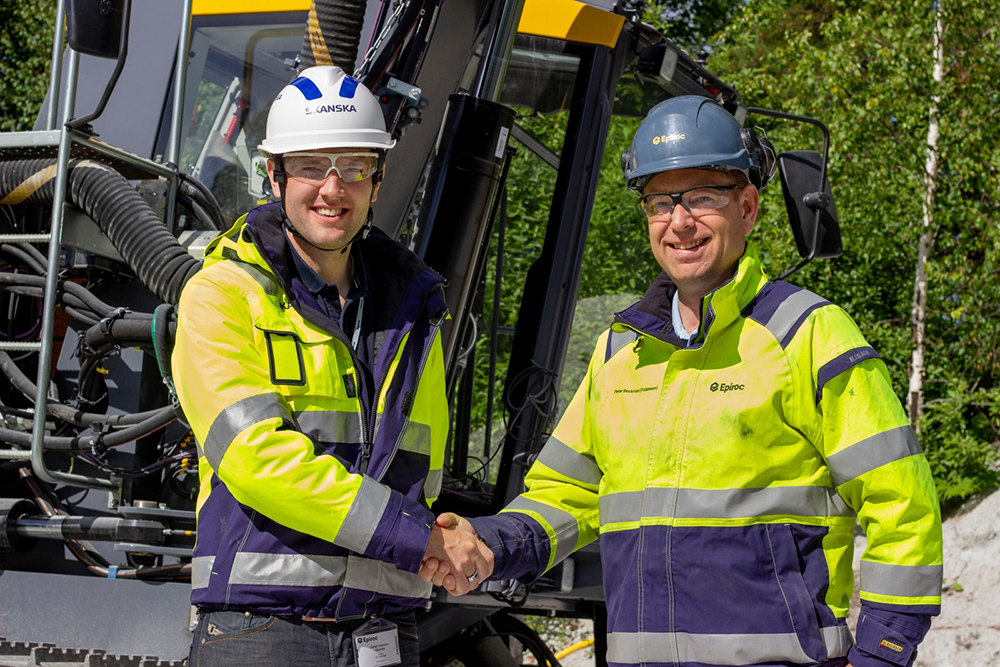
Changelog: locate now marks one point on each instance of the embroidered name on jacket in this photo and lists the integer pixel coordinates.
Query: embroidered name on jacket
(637, 390)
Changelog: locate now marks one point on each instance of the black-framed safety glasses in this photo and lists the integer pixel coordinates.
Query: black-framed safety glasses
(698, 200)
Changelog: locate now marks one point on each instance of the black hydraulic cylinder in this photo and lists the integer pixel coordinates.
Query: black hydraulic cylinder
(453, 227)
(94, 528)
(11, 510)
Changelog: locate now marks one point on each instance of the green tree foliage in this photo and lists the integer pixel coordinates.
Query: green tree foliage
(694, 24)
(865, 70)
(26, 29)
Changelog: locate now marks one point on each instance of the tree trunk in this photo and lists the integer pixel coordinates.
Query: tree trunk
(918, 321)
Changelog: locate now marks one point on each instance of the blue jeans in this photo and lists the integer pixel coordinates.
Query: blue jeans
(244, 639)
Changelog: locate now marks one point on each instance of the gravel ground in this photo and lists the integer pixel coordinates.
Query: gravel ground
(967, 633)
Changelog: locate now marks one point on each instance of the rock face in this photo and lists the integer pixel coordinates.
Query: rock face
(967, 633)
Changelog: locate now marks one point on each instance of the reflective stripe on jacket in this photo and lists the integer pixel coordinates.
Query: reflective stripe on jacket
(724, 481)
(309, 504)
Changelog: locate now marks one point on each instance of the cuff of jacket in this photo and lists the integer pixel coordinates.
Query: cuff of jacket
(520, 546)
(402, 533)
(887, 639)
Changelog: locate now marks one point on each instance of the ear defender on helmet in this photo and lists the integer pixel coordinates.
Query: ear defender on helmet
(762, 159)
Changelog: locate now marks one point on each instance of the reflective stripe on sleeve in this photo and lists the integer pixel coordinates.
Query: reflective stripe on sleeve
(266, 282)
(617, 340)
(374, 575)
(570, 463)
(330, 425)
(912, 581)
(416, 439)
(792, 311)
(871, 453)
(239, 416)
(563, 524)
(270, 570)
(432, 485)
(633, 648)
(364, 516)
(819, 501)
(201, 571)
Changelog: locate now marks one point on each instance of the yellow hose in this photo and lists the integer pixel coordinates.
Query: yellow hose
(575, 647)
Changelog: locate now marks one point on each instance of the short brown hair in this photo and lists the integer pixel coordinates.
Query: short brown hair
(741, 180)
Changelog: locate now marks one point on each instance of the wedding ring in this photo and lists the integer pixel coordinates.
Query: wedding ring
(472, 577)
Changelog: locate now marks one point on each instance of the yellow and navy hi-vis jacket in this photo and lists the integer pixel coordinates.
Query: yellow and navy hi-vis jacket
(311, 503)
(724, 480)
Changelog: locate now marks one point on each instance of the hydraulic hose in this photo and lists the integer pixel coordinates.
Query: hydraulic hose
(333, 33)
(201, 195)
(150, 250)
(65, 413)
(92, 441)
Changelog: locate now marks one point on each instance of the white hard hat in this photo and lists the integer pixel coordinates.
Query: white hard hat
(324, 108)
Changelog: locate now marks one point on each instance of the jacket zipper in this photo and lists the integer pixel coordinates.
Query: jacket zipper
(435, 327)
(368, 445)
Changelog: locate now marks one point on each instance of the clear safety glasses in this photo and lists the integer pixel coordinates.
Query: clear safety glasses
(696, 201)
(316, 167)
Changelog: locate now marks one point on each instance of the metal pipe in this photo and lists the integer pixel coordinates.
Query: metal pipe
(56, 72)
(496, 56)
(14, 454)
(180, 77)
(49, 300)
(177, 115)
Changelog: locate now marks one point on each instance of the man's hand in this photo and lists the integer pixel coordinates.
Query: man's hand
(455, 557)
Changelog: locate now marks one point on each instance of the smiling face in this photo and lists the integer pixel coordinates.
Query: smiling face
(700, 253)
(327, 213)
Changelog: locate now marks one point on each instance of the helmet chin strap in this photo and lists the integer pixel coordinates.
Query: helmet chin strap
(363, 232)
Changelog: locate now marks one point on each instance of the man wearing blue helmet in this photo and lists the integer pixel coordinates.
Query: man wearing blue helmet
(730, 433)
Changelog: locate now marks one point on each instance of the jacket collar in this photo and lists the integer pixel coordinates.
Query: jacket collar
(400, 281)
(652, 314)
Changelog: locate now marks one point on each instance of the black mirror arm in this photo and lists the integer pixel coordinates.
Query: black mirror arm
(119, 66)
(817, 201)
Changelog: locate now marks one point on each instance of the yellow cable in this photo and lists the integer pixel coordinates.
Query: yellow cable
(574, 648)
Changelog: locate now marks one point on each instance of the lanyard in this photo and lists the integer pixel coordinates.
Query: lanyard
(356, 336)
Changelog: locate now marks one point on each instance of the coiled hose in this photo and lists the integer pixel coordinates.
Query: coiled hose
(333, 33)
(150, 250)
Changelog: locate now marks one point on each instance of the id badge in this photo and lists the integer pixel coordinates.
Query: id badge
(376, 644)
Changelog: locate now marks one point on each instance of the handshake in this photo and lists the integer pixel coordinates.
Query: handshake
(456, 558)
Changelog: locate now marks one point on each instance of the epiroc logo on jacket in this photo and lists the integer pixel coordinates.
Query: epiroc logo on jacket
(725, 501)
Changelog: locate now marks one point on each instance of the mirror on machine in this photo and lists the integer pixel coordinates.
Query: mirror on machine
(94, 27)
(816, 236)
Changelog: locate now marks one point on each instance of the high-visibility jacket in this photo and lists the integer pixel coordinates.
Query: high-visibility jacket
(311, 502)
(724, 480)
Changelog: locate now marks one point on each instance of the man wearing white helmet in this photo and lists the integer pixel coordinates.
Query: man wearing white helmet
(309, 365)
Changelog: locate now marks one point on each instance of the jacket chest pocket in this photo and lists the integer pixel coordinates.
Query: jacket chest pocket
(284, 358)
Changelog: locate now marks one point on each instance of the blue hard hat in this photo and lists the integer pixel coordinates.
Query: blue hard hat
(688, 132)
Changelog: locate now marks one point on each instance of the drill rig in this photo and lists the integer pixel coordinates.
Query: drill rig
(106, 215)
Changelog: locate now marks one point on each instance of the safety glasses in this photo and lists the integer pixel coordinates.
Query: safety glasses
(316, 167)
(696, 201)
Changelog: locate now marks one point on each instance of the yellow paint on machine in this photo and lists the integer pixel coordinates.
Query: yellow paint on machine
(558, 19)
(216, 7)
(571, 21)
